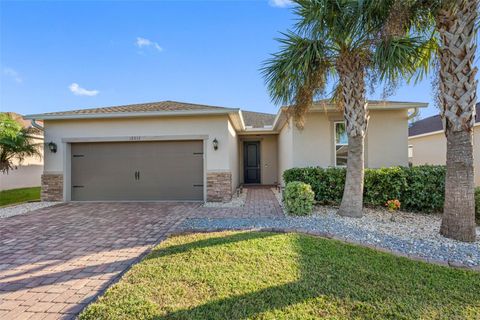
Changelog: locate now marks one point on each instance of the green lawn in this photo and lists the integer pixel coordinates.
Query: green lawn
(19, 195)
(255, 275)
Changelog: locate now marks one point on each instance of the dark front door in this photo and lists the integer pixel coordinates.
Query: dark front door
(251, 161)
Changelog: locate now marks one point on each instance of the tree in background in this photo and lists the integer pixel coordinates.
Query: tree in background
(16, 143)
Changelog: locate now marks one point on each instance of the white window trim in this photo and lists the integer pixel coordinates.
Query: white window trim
(335, 144)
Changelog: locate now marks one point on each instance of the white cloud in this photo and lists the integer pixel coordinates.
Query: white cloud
(12, 73)
(79, 91)
(143, 42)
(280, 3)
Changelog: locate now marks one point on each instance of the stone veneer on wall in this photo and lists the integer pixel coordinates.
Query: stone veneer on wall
(219, 186)
(52, 187)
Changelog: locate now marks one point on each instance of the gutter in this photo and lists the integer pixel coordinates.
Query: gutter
(128, 114)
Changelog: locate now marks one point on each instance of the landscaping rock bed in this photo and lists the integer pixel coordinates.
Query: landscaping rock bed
(407, 234)
(24, 208)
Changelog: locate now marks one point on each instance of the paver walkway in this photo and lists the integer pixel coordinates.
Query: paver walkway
(55, 260)
(260, 202)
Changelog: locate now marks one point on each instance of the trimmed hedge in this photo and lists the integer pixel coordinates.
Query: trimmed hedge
(418, 188)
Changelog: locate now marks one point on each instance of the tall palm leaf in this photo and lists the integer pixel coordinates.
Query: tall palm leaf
(297, 73)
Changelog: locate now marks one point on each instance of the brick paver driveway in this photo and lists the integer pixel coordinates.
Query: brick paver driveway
(56, 260)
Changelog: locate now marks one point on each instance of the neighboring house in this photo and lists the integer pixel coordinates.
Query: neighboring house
(181, 151)
(29, 171)
(428, 145)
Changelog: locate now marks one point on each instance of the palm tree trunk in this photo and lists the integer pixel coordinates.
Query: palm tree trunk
(459, 209)
(456, 25)
(351, 72)
(352, 200)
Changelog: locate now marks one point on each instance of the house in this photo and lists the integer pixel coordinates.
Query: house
(182, 151)
(428, 145)
(28, 172)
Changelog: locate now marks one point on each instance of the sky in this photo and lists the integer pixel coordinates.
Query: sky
(69, 55)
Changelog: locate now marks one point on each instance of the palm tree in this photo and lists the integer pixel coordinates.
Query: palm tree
(451, 27)
(456, 26)
(16, 143)
(341, 38)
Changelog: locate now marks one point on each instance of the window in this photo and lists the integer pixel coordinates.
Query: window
(341, 144)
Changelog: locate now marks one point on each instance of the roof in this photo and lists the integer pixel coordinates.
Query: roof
(258, 119)
(253, 119)
(375, 104)
(19, 118)
(140, 107)
(433, 124)
(242, 120)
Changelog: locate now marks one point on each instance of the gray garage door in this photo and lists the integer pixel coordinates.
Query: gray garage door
(156, 170)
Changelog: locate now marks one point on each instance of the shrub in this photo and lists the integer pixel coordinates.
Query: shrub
(477, 205)
(417, 188)
(298, 198)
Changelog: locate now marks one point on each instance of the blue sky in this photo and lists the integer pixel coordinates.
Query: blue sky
(70, 55)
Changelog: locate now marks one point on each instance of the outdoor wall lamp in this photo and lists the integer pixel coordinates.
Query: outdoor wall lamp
(52, 146)
(215, 144)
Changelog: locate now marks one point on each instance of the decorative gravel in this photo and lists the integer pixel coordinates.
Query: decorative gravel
(24, 208)
(238, 200)
(409, 234)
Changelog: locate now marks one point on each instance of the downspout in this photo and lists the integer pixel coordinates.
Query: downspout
(413, 114)
(36, 125)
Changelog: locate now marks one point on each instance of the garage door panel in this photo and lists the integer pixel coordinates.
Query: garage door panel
(101, 171)
(168, 170)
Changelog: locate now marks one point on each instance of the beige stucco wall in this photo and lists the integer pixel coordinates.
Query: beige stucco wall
(213, 126)
(312, 146)
(233, 155)
(24, 177)
(432, 149)
(268, 157)
(285, 150)
(139, 128)
(429, 149)
(27, 174)
(387, 139)
(386, 142)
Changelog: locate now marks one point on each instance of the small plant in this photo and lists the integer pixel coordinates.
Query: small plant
(393, 205)
(299, 198)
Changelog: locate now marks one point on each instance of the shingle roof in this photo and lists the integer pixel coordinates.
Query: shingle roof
(253, 119)
(370, 102)
(140, 107)
(432, 124)
(258, 119)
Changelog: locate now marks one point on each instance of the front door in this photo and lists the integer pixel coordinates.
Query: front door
(251, 161)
